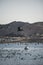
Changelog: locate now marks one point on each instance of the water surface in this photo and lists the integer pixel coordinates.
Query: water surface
(16, 54)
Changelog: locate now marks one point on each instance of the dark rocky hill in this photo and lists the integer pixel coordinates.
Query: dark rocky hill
(21, 29)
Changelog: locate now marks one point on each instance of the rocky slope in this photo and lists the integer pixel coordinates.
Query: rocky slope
(21, 29)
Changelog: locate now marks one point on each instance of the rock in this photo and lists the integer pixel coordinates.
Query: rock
(26, 48)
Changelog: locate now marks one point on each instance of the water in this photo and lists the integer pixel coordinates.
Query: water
(15, 54)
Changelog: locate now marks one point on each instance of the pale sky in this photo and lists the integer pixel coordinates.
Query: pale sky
(21, 10)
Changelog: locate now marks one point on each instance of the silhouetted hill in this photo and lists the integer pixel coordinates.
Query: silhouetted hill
(21, 29)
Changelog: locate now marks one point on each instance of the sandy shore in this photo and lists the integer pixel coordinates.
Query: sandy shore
(19, 39)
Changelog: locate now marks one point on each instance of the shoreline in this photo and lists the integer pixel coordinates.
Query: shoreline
(20, 39)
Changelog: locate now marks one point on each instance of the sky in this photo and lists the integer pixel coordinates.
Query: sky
(21, 10)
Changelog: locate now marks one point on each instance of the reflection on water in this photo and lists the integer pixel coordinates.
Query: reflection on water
(16, 54)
